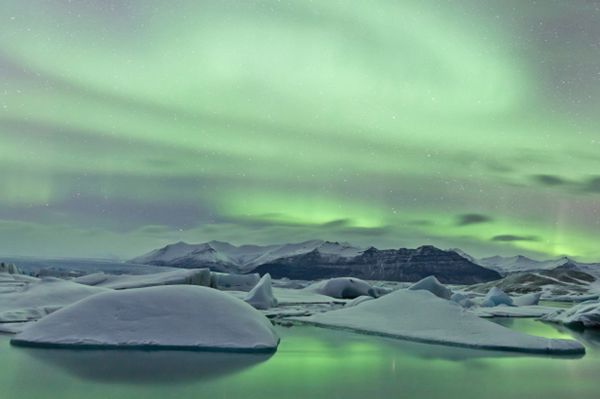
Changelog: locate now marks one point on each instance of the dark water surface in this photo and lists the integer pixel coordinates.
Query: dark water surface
(310, 363)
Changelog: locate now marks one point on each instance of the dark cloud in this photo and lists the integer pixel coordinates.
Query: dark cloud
(511, 237)
(550, 180)
(472, 218)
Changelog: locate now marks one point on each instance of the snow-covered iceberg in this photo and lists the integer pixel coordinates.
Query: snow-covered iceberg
(168, 317)
(431, 284)
(235, 282)
(341, 287)
(423, 317)
(462, 299)
(261, 296)
(36, 298)
(585, 314)
(127, 281)
(495, 297)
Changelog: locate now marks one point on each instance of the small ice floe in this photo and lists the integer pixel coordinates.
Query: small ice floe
(169, 317)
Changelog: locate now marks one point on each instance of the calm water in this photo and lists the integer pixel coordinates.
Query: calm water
(310, 363)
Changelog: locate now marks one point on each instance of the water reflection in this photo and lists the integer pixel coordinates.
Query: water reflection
(139, 366)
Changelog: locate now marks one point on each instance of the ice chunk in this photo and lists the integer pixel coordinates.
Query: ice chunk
(176, 317)
(432, 285)
(495, 297)
(528, 299)
(462, 299)
(585, 314)
(421, 316)
(341, 287)
(261, 296)
(9, 268)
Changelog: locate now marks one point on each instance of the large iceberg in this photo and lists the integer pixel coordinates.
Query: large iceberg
(342, 287)
(261, 296)
(423, 317)
(431, 284)
(531, 299)
(127, 281)
(585, 314)
(167, 317)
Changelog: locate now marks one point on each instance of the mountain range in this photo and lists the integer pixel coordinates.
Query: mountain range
(316, 259)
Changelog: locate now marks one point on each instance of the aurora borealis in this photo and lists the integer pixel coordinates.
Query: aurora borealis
(125, 125)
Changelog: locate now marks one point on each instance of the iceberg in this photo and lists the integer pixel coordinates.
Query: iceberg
(38, 297)
(261, 296)
(495, 297)
(423, 317)
(342, 287)
(585, 314)
(127, 281)
(167, 317)
(431, 284)
(528, 299)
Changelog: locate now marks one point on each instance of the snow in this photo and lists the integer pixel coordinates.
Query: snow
(261, 296)
(585, 314)
(126, 281)
(175, 317)
(37, 298)
(527, 299)
(495, 297)
(242, 258)
(421, 316)
(432, 285)
(341, 287)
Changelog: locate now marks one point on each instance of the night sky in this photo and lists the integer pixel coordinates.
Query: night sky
(126, 125)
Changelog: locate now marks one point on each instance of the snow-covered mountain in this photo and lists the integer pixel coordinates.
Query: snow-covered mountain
(222, 256)
(519, 263)
(318, 259)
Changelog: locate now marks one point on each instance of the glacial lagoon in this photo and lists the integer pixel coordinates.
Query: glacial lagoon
(310, 363)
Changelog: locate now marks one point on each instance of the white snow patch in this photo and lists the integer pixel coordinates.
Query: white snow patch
(127, 281)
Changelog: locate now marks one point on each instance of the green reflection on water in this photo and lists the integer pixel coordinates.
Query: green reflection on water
(316, 363)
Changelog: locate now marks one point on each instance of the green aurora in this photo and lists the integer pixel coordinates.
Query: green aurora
(125, 125)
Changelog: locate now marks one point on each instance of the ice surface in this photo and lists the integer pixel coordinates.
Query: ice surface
(514, 311)
(421, 316)
(261, 296)
(358, 300)
(462, 299)
(236, 282)
(585, 314)
(184, 317)
(341, 287)
(432, 285)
